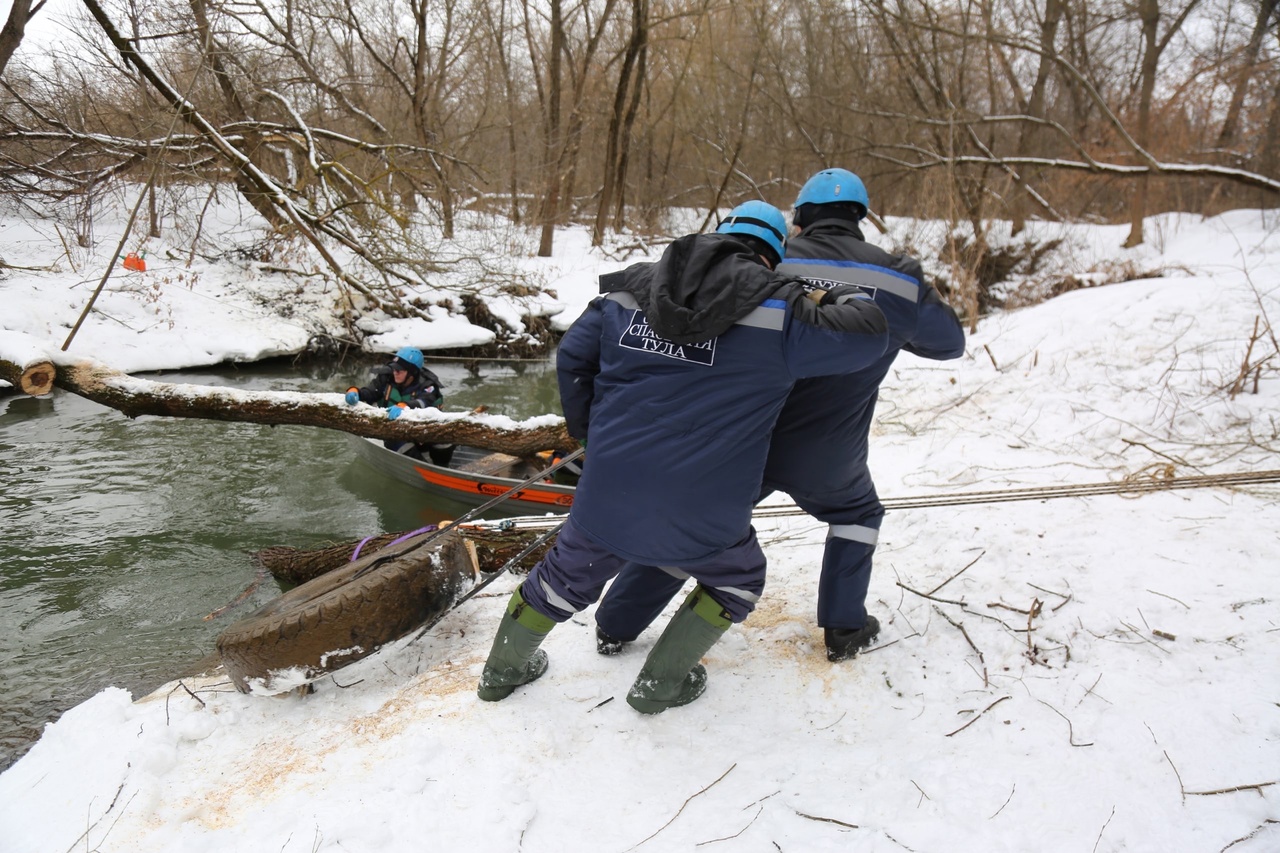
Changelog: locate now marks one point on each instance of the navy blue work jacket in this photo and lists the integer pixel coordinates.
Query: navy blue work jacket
(820, 441)
(676, 375)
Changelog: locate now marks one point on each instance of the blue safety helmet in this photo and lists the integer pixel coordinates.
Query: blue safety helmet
(758, 219)
(409, 356)
(834, 186)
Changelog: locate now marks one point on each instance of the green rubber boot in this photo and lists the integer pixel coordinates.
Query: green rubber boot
(671, 675)
(515, 658)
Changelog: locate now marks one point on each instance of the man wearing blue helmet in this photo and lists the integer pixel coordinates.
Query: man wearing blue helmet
(832, 413)
(676, 374)
(405, 383)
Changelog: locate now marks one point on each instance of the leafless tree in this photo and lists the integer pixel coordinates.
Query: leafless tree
(1246, 68)
(622, 118)
(575, 34)
(356, 121)
(1153, 45)
(15, 27)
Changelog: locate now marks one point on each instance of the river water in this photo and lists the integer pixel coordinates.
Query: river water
(119, 537)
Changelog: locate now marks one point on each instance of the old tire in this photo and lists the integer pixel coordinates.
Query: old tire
(346, 614)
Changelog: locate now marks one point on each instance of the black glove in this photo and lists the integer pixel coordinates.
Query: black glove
(843, 293)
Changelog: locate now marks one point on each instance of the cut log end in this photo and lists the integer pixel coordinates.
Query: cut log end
(37, 379)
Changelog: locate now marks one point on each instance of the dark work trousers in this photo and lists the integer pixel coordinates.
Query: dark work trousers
(853, 516)
(574, 572)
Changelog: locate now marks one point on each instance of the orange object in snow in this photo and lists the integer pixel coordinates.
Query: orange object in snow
(133, 261)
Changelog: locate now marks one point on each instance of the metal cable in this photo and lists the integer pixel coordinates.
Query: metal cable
(1130, 486)
(508, 566)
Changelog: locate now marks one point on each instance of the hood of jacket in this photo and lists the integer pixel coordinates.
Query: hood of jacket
(700, 287)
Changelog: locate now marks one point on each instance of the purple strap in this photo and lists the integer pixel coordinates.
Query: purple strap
(410, 535)
(356, 554)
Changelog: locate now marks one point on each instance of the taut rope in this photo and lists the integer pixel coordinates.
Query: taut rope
(1133, 485)
(1128, 486)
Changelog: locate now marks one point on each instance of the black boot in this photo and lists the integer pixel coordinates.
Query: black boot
(845, 643)
(515, 658)
(672, 676)
(607, 645)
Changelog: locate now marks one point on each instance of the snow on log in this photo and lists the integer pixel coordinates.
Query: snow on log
(25, 364)
(134, 397)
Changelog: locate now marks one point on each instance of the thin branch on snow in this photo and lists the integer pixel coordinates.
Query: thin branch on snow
(1182, 788)
(1138, 634)
(1090, 692)
(1036, 606)
(926, 595)
(736, 834)
(828, 820)
(681, 809)
(174, 690)
(1071, 731)
(1243, 838)
(1004, 606)
(1064, 596)
(829, 725)
(996, 619)
(762, 799)
(986, 681)
(84, 835)
(1104, 828)
(1257, 786)
(957, 574)
(1006, 802)
(977, 715)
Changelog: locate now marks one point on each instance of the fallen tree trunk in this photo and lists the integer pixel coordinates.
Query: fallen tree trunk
(24, 364)
(135, 397)
(493, 548)
(34, 378)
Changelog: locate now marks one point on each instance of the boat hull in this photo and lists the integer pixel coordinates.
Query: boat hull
(475, 476)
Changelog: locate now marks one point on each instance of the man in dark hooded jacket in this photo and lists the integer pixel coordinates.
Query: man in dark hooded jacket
(818, 452)
(676, 375)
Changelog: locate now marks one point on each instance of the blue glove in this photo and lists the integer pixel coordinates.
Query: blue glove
(352, 398)
(394, 412)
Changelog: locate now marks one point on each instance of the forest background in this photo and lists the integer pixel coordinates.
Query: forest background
(362, 129)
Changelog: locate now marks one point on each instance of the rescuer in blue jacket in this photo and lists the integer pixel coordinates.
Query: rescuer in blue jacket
(675, 375)
(818, 452)
(405, 383)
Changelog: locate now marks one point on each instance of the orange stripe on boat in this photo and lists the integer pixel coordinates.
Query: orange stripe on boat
(531, 494)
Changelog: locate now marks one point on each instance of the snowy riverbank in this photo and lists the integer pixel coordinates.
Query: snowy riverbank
(1137, 709)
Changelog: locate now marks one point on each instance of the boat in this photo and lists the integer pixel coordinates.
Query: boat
(472, 477)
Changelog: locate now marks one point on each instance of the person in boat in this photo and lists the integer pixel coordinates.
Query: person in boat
(405, 383)
(571, 472)
(675, 375)
(829, 414)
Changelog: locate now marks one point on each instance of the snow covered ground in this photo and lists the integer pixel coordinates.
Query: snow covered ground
(1085, 674)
